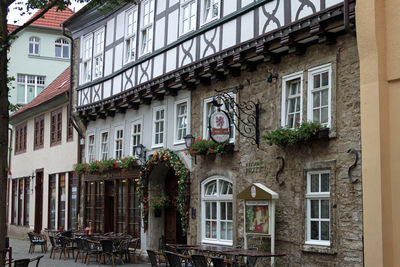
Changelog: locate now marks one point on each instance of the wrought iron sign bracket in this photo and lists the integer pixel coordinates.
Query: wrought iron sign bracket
(245, 115)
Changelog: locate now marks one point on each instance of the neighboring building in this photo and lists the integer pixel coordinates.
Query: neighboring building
(161, 61)
(42, 188)
(38, 55)
(378, 45)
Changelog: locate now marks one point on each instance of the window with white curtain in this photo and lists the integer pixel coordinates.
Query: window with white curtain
(130, 34)
(87, 58)
(91, 149)
(147, 26)
(98, 53)
(104, 146)
(210, 10)
(61, 48)
(188, 16)
(118, 142)
(34, 46)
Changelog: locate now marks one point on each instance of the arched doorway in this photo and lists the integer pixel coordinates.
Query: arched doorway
(164, 178)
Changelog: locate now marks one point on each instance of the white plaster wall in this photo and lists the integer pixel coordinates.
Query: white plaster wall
(53, 159)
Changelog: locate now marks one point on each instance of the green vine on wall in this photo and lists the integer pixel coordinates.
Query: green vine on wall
(172, 160)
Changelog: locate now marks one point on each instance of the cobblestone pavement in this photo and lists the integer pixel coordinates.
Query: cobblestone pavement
(20, 249)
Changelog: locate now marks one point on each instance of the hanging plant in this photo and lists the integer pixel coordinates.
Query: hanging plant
(205, 147)
(172, 160)
(302, 134)
(98, 167)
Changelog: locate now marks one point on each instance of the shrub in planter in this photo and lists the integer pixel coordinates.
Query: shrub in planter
(304, 133)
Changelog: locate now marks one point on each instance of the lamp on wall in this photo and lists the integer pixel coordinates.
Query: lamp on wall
(271, 76)
(188, 140)
(140, 151)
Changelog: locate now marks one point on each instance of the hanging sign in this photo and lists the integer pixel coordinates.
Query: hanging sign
(219, 125)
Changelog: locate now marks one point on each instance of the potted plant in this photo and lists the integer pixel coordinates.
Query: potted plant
(157, 203)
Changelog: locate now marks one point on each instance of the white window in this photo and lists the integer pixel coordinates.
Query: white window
(319, 95)
(209, 108)
(210, 10)
(104, 146)
(61, 48)
(91, 149)
(98, 53)
(318, 208)
(136, 136)
(188, 16)
(118, 143)
(158, 126)
(130, 34)
(29, 87)
(181, 121)
(292, 100)
(217, 211)
(87, 58)
(147, 27)
(34, 46)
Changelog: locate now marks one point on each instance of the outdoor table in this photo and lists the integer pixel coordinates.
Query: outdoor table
(250, 253)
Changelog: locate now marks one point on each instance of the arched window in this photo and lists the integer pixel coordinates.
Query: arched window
(217, 211)
(62, 48)
(34, 46)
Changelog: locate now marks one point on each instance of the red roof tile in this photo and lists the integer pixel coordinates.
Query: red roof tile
(11, 27)
(59, 86)
(53, 18)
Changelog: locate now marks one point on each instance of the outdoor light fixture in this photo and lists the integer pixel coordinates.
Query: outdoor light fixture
(188, 140)
(140, 152)
(271, 76)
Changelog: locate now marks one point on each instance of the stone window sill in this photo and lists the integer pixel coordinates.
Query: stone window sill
(319, 249)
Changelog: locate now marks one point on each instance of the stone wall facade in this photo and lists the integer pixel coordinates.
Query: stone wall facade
(346, 225)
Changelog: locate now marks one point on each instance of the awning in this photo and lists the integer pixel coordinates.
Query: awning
(257, 191)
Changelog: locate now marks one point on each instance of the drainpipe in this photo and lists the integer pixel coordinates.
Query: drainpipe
(72, 119)
(346, 22)
(9, 150)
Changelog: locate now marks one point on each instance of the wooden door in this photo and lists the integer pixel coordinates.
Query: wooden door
(171, 190)
(38, 202)
(109, 207)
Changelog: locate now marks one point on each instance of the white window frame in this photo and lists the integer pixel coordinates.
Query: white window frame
(155, 110)
(101, 151)
(177, 103)
(98, 53)
(317, 196)
(285, 81)
(40, 81)
(205, 119)
(35, 42)
(133, 134)
(147, 28)
(130, 37)
(120, 128)
(91, 148)
(311, 90)
(202, 13)
(87, 55)
(62, 43)
(217, 198)
(183, 5)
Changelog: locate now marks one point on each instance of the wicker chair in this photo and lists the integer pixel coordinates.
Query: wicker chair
(37, 240)
(199, 261)
(153, 259)
(108, 250)
(55, 246)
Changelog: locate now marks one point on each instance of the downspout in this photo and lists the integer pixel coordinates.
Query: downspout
(346, 21)
(9, 149)
(72, 119)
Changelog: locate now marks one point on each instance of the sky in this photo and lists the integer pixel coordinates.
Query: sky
(15, 17)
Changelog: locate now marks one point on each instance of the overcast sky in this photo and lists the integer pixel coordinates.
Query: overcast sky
(15, 17)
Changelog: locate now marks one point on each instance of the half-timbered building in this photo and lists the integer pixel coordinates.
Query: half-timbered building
(148, 74)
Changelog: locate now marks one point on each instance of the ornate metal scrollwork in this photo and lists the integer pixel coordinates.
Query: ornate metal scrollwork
(280, 171)
(246, 114)
(354, 151)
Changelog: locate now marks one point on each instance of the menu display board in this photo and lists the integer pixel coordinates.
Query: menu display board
(257, 217)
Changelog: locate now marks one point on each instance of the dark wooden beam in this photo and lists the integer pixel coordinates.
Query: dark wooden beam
(121, 109)
(101, 115)
(172, 91)
(328, 38)
(235, 70)
(158, 96)
(273, 58)
(145, 100)
(297, 49)
(205, 80)
(220, 74)
(133, 105)
(110, 113)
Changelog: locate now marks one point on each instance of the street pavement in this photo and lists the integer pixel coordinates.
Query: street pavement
(20, 249)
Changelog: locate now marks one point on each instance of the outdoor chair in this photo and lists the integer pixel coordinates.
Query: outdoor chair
(174, 259)
(108, 250)
(153, 259)
(218, 262)
(37, 240)
(66, 246)
(55, 246)
(25, 262)
(199, 260)
(133, 246)
(90, 248)
(79, 249)
(123, 250)
(251, 261)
